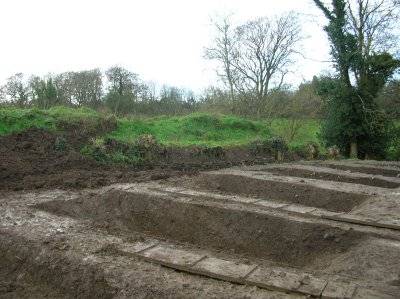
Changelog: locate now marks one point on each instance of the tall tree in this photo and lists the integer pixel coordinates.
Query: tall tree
(256, 56)
(65, 88)
(123, 90)
(17, 90)
(223, 51)
(43, 92)
(357, 30)
(87, 87)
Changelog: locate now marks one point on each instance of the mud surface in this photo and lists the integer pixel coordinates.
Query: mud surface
(280, 191)
(301, 173)
(260, 236)
(64, 244)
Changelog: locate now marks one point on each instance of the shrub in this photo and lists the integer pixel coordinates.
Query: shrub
(333, 152)
(393, 151)
(301, 151)
(145, 150)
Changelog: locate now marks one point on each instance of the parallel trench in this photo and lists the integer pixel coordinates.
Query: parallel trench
(304, 173)
(331, 200)
(280, 240)
(367, 170)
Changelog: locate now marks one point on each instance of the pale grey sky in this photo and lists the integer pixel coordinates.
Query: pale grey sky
(161, 40)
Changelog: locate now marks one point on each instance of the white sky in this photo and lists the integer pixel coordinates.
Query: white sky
(160, 40)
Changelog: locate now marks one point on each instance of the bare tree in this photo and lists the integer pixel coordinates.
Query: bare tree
(256, 56)
(223, 51)
(266, 49)
(373, 23)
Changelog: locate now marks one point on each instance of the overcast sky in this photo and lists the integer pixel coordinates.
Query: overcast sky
(161, 40)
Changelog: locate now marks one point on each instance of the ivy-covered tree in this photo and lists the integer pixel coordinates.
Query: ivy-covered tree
(358, 32)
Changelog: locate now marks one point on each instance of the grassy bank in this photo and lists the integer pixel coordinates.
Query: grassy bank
(193, 130)
(183, 131)
(14, 120)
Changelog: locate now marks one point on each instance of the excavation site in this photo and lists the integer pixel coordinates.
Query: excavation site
(289, 230)
(245, 149)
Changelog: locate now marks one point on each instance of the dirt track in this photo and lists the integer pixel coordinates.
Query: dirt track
(277, 231)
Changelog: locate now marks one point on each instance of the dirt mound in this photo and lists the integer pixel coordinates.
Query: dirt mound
(37, 158)
(40, 159)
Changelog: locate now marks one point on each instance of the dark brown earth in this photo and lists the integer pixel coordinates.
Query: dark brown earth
(45, 281)
(369, 170)
(281, 240)
(302, 173)
(30, 160)
(331, 200)
(36, 268)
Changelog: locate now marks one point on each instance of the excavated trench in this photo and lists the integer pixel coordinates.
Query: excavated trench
(368, 170)
(331, 200)
(303, 173)
(254, 235)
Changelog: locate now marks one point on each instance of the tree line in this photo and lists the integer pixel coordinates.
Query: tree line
(253, 59)
(119, 90)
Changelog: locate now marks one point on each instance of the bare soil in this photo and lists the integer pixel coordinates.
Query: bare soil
(331, 200)
(30, 160)
(369, 170)
(52, 243)
(274, 238)
(302, 173)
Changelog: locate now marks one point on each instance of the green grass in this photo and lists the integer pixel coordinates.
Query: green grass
(14, 120)
(195, 129)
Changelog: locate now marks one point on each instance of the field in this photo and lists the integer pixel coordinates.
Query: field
(213, 218)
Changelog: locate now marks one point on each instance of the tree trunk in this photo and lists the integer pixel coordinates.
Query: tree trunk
(353, 150)
(279, 156)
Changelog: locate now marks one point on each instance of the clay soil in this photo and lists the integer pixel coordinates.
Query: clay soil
(301, 173)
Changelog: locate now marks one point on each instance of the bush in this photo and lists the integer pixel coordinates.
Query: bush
(393, 151)
(145, 150)
(334, 152)
(313, 150)
(301, 151)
